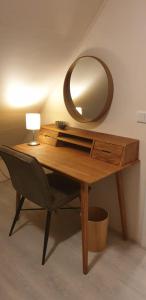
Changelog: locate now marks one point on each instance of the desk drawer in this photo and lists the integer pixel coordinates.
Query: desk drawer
(48, 137)
(48, 133)
(111, 153)
(47, 140)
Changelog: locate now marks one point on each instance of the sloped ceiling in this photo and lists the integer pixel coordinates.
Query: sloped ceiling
(36, 38)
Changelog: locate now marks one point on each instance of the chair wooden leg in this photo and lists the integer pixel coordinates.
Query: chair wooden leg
(20, 204)
(18, 196)
(46, 236)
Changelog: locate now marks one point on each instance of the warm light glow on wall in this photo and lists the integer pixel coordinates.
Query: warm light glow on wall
(21, 95)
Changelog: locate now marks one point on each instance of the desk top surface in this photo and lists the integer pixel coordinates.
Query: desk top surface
(71, 162)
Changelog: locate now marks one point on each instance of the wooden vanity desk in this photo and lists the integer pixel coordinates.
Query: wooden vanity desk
(88, 157)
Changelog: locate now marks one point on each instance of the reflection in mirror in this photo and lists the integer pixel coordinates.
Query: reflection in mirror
(88, 89)
(79, 109)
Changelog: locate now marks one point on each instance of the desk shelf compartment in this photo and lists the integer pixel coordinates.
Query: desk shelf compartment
(81, 143)
(116, 150)
(73, 146)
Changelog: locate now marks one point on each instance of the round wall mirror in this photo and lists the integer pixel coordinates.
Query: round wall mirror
(88, 89)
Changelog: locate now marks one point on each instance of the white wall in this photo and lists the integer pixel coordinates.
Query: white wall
(117, 36)
(36, 38)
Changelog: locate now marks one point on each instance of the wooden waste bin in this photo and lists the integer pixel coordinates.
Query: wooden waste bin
(97, 229)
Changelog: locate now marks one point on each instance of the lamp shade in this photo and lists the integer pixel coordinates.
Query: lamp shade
(33, 121)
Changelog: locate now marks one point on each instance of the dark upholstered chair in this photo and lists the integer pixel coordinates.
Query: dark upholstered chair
(50, 191)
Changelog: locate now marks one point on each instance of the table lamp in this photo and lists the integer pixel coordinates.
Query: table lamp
(33, 123)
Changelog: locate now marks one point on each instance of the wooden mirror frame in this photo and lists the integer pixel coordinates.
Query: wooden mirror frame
(67, 94)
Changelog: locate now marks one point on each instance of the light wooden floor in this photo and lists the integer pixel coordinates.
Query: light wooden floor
(117, 274)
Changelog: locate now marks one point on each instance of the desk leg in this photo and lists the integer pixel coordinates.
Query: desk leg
(122, 204)
(84, 222)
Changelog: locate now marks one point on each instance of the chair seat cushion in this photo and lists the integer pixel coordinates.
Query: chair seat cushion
(63, 189)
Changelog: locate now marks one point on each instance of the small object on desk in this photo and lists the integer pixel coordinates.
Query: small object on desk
(61, 124)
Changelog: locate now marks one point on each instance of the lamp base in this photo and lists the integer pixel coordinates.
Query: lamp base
(33, 143)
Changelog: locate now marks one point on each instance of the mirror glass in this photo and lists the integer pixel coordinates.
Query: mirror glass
(89, 87)
(87, 92)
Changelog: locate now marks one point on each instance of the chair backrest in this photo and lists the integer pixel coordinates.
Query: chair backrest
(27, 176)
